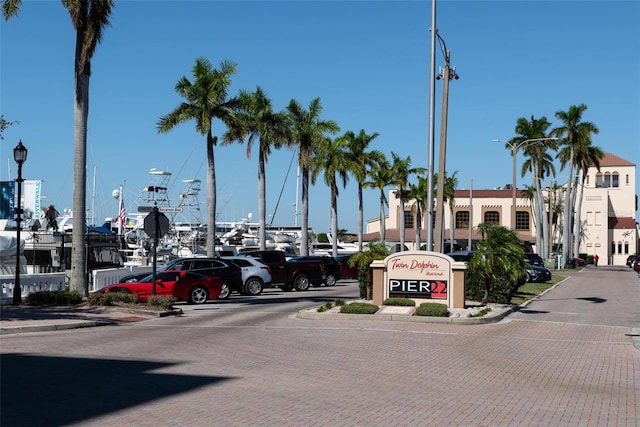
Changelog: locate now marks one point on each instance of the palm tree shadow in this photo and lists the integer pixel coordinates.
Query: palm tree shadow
(56, 391)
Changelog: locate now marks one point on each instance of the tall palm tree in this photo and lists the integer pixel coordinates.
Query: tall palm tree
(418, 192)
(540, 164)
(89, 18)
(362, 161)
(255, 120)
(450, 184)
(206, 98)
(333, 158)
(402, 170)
(308, 132)
(586, 156)
(573, 133)
(379, 177)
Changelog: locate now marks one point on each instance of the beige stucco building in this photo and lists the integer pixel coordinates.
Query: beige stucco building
(608, 211)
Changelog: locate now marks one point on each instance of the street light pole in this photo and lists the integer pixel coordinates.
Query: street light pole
(447, 74)
(20, 156)
(514, 151)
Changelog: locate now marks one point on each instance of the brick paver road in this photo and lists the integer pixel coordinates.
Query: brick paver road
(567, 360)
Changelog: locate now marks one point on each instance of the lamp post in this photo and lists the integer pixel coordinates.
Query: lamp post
(514, 151)
(20, 156)
(446, 74)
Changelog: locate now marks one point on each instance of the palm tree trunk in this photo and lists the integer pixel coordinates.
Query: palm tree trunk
(401, 219)
(211, 196)
(418, 227)
(577, 230)
(334, 219)
(383, 225)
(78, 280)
(262, 206)
(568, 216)
(304, 243)
(360, 216)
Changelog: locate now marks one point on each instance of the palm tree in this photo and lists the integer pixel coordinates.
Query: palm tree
(361, 162)
(540, 164)
(256, 120)
(333, 158)
(379, 177)
(89, 18)
(499, 256)
(573, 133)
(450, 184)
(586, 156)
(418, 192)
(206, 98)
(401, 171)
(308, 132)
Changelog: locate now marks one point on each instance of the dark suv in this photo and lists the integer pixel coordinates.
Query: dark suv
(534, 259)
(332, 270)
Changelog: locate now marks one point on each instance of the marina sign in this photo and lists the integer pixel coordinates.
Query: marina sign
(165, 209)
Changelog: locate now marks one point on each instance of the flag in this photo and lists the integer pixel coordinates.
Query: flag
(121, 218)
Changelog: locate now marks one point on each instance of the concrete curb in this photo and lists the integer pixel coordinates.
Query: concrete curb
(492, 317)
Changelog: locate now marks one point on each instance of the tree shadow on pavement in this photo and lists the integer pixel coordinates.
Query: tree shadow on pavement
(56, 391)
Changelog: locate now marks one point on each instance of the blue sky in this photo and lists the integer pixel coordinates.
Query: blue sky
(368, 62)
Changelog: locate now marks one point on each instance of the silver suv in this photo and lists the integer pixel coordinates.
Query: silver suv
(255, 275)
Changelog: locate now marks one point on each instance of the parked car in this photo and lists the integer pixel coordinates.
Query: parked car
(289, 274)
(631, 259)
(229, 273)
(636, 265)
(255, 275)
(534, 259)
(579, 262)
(537, 274)
(332, 271)
(346, 271)
(188, 286)
(461, 255)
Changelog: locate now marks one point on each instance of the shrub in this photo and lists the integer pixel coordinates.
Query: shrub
(481, 312)
(406, 302)
(340, 302)
(433, 309)
(54, 298)
(359, 308)
(322, 309)
(113, 298)
(162, 302)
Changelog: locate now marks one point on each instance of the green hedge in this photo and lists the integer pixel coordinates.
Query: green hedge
(405, 302)
(54, 298)
(359, 308)
(432, 309)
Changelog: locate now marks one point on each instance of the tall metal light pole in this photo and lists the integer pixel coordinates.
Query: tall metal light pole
(432, 108)
(514, 145)
(446, 74)
(20, 156)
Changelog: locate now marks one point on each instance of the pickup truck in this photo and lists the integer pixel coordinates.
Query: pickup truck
(293, 274)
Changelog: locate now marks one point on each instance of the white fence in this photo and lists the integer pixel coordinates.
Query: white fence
(30, 283)
(109, 276)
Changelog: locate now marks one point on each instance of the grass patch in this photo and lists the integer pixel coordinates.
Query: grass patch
(529, 291)
(481, 312)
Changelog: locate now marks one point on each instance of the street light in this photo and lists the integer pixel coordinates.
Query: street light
(20, 156)
(514, 151)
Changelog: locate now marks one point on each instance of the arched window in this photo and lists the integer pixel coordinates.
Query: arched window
(607, 180)
(462, 219)
(613, 248)
(522, 221)
(492, 217)
(615, 178)
(626, 247)
(408, 220)
(599, 180)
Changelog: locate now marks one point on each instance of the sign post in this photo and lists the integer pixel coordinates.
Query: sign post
(156, 225)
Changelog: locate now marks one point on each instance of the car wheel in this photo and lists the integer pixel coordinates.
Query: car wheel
(225, 291)
(198, 295)
(253, 286)
(529, 278)
(301, 282)
(330, 280)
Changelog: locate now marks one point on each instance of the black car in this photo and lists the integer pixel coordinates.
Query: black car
(332, 270)
(537, 274)
(534, 259)
(226, 270)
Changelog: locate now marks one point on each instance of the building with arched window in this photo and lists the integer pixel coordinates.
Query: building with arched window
(607, 214)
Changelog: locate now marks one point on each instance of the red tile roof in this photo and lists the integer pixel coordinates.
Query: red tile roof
(622, 223)
(613, 160)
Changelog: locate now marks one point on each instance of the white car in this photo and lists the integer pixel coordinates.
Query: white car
(255, 275)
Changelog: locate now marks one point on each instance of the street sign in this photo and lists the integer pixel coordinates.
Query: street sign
(156, 225)
(170, 209)
(145, 208)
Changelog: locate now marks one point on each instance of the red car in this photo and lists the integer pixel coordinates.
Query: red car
(347, 271)
(185, 285)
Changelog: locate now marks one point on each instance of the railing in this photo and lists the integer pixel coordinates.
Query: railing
(30, 283)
